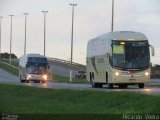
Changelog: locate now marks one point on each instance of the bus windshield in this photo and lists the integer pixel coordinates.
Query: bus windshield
(35, 68)
(130, 54)
(37, 65)
(37, 60)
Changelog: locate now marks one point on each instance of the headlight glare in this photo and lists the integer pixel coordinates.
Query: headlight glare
(146, 73)
(45, 77)
(28, 77)
(116, 73)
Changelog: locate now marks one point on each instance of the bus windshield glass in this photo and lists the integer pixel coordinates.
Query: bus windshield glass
(130, 54)
(34, 68)
(36, 65)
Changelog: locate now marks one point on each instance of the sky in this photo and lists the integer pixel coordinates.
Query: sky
(92, 18)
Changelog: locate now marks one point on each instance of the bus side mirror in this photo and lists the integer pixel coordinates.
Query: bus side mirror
(48, 67)
(152, 50)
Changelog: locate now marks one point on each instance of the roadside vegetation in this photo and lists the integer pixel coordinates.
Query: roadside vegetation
(14, 62)
(59, 78)
(10, 68)
(17, 99)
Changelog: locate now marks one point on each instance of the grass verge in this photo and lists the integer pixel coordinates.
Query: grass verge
(67, 79)
(17, 99)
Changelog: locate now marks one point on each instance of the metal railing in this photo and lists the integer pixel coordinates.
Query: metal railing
(67, 62)
(61, 61)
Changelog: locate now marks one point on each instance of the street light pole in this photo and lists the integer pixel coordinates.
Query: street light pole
(112, 24)
(73, 5)
(10, 57)
(45, 31)
(25, 32)
(0, 34)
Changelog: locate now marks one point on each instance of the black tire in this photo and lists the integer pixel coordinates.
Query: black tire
(110, 85)
(37, 81)
(123, 86)
(141, 85)
(43, 81)
(120, 86)
(99, 85)
(23, 81)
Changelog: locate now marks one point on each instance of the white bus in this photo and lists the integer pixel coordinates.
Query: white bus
(33, 67)
(119, 58)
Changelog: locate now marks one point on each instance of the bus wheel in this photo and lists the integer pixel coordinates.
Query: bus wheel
(125, 86)
(22, 81)
(100, 85)
(110, 85)
(141, 85)
(122, 86)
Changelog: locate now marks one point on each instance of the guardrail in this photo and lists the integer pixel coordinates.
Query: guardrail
(61, 61)
(67, 62)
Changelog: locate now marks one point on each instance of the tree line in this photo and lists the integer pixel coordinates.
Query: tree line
(7, 55)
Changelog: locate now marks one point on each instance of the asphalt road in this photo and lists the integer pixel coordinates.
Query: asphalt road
(6, 77)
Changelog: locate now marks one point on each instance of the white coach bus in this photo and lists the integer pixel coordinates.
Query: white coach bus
(119, 58)
(33, 67)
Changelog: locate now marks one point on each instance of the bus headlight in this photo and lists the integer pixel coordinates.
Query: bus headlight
(28, 77)
(45, 77)
(146, 73)
(116, 73)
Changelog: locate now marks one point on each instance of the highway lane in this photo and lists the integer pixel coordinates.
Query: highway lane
(6, 77)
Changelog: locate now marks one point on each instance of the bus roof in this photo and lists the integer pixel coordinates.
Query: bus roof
(122, 35)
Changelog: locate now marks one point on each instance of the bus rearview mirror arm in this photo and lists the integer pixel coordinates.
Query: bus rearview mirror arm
(152, 50)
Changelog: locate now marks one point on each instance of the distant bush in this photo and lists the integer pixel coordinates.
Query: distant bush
(7, 55)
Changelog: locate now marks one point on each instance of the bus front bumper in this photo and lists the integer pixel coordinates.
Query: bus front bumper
(130, 77)
(33, 77)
